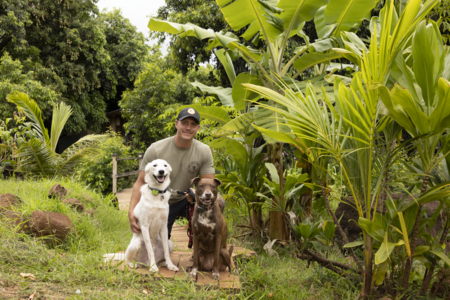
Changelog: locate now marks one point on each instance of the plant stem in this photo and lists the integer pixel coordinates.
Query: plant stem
(341, 231)
(409, 261)
(429, 275)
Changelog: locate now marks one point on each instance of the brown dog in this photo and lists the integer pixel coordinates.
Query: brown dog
(210, 230)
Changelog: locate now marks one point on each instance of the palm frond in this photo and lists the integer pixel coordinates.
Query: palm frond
(74, 156)
(36, 157)
(32, 111)
(61, 114)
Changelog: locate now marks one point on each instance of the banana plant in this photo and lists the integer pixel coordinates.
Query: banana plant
(38, 155)
(294, 186)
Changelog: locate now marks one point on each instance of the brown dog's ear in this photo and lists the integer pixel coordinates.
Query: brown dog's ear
(194, 181)
(218, 182)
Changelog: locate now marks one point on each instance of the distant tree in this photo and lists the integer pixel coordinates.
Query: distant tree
(12, 78)
(157, 88)
(88, 56)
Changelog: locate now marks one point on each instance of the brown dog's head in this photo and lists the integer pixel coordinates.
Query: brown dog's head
(206, 190)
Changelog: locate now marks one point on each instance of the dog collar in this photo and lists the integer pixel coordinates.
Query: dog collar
(156, 192)
(204, 209)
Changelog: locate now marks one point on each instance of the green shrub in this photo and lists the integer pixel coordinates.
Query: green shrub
(96, 170)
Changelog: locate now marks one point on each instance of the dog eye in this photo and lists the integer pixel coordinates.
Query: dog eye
(154, 165)
(165, 165)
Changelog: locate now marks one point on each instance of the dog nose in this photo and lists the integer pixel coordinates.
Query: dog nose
(161, 172)
(208, 194)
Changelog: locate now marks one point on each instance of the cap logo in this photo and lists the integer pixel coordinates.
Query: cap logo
(191, 111)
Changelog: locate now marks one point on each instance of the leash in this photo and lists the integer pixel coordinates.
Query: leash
(191, 206)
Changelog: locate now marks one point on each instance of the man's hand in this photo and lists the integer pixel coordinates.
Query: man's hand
(133, 222)
(189, 198)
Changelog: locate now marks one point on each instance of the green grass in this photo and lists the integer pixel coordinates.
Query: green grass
(76, 265)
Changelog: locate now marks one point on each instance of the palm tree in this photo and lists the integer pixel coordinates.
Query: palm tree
(38, 155)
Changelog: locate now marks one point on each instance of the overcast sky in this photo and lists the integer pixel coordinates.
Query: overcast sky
(137, 11)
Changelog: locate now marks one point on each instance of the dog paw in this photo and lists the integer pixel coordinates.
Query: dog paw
(193, 274)
(153, 269)
(131, 265)
(172, 267)
(216, 276)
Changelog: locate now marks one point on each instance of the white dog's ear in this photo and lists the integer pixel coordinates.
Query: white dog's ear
(148, 167)
(170, 168)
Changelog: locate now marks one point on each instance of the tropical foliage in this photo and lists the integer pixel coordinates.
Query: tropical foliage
(38, 155)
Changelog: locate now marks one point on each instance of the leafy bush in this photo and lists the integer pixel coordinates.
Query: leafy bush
(96, 170)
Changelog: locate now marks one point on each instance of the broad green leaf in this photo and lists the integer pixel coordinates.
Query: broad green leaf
(372, 229)
(395, 110)
(405, 231)
(32, 111)
(427, 61)
(233, 148)
(329, 230)
(380, 273)
(421, 250)
(354, 244)
(276, 136)
(240, 94)
(440, 117)
(227, 63)
(385, 251)
(311, 59)
(347, 13)
(224, 94)
(237, 124)
(419, 118)
(305, 230)
(296, 12)
(323, 30)
(273, 173)
(240, 13)
(61, 113)
(214, 113)
(441, 255)
(216, 39)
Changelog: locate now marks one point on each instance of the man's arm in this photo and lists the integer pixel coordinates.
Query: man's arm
(188, 197)
(135, 198)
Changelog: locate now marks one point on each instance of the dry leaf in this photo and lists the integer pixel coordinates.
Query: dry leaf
(28, 275)
(271, 295)
(145, 292)
(268, 247)
(32, 295)
(164, 291)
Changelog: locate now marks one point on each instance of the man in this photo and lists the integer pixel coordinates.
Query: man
(188, 159)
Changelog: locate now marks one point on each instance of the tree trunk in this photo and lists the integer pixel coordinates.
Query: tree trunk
(256, 218)
(277, 226)
(367, 287)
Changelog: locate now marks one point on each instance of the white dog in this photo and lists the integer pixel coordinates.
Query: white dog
(152, 212)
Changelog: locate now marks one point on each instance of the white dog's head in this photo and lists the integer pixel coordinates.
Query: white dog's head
(157, 172)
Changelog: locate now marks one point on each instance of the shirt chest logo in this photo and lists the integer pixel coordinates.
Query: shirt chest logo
(193, 167)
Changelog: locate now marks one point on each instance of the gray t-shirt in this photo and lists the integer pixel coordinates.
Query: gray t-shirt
(186, 163)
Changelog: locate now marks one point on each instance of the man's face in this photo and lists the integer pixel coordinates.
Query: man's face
(187, 128)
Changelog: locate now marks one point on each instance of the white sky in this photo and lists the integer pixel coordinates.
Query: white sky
(137, 11)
